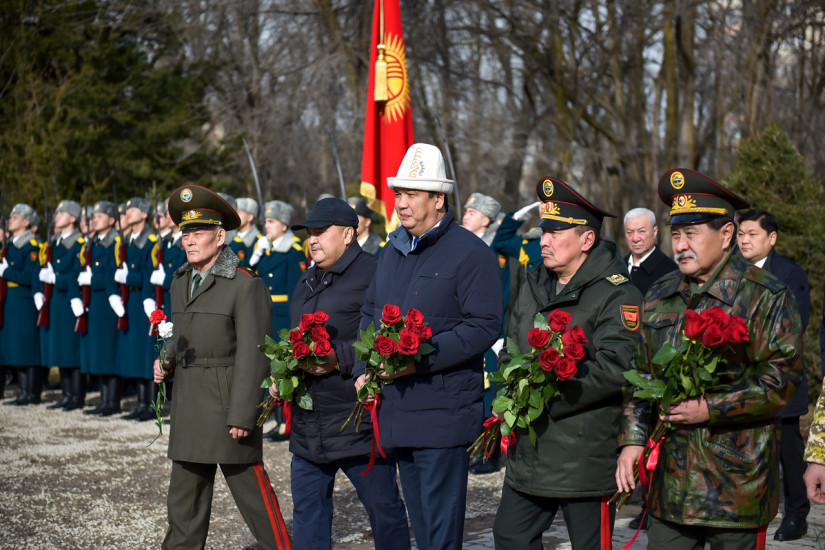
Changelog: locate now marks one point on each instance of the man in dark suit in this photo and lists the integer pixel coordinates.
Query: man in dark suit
(646, 262)
(758, 232)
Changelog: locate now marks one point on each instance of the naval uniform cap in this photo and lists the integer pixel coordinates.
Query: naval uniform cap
(563, 207)
(196, 207)
(694, 198)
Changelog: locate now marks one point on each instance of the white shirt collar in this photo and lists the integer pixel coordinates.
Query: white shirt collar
(631, 265)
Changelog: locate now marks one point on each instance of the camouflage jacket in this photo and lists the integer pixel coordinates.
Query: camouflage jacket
(724, 473)
(815, 449)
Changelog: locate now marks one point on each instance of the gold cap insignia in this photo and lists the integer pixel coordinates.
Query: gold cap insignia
(677, 180)
(547, 187)
(186, 195)
(551, 208)
(192, 215)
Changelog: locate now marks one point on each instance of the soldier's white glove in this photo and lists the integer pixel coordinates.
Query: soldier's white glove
(77, 307)
(497, 346)
(84, 278)
(121, 274)
(158, 276)
(3, 266)
(149, 306)
(522, 213)
(116, 302)
(47, 274)
(39, 300)
(261, 246)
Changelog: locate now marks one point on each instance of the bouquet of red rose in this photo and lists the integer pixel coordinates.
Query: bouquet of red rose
(161, 330)
(390, 348)
(529, 380)
(693, 369)
(308, 343)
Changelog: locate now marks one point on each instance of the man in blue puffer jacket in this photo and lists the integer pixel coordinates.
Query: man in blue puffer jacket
(432, 411)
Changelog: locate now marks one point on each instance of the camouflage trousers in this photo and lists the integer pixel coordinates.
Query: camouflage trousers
(665, 535)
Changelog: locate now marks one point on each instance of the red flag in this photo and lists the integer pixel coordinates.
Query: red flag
(388, 129)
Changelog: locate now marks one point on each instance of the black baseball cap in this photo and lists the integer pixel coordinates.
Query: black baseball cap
(328, 212)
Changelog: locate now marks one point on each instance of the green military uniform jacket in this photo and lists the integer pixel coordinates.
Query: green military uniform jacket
(724, 473)
(576, 449)
(217, 366)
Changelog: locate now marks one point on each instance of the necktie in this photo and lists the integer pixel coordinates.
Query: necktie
(415, 243)
(196, 282)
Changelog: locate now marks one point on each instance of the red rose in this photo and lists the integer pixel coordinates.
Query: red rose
(425, 333)
(307, 322)
(322, 348)
(716, 315)
(713, 336)
(300, 350)
(295, 336)
(549, 358)
(538, 338)
(559, 320)
(157, 317)
(695, 324)
(566, 368)
(574, 334)
(574, 351)
(407, 341)
(319, 318)
(319, 333)
(414, 318)
(390, 315)
(736, 331)
(384, 345)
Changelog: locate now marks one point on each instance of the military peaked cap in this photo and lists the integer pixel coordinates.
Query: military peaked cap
(564, 207)
(196, 207)
(694, 198)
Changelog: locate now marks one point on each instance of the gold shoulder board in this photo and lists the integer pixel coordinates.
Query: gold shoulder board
(617, 279)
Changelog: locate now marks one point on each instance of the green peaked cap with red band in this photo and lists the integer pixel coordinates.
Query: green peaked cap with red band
(694, 198)
(564, 207)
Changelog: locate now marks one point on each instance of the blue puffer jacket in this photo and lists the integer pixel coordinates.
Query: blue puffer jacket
(453, 278)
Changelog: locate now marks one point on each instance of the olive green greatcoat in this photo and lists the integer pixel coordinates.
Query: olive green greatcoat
(576, 451)
(216, 364)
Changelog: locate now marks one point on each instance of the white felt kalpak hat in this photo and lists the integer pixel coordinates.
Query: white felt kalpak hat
(422, 169)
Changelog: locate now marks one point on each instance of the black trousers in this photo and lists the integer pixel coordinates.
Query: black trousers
(791, 452)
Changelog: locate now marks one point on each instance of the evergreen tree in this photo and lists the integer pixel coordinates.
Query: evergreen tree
(771, 175)
(94, 94)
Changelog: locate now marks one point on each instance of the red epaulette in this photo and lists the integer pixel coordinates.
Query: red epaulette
(245, 270)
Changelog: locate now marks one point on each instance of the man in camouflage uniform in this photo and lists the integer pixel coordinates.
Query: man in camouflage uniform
(815, 453)
(717, 480)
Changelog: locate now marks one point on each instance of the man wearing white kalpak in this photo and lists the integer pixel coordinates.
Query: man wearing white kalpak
(431, 412)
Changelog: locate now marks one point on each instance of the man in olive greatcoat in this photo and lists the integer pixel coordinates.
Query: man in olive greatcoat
(716, 481)
(573, 463)
(220, 314)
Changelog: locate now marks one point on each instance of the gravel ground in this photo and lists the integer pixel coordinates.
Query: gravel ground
(75, 481)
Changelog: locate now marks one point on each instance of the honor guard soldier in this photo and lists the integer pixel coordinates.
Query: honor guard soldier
(243, 245)
(98, 345)
(279, 259)
(480, 214)
(64, 305)
(135, 346)
(525, 248)
(572, 465)
(716, 482)
(368, 240)
(231, 201)
(221, 313)
(19, 336)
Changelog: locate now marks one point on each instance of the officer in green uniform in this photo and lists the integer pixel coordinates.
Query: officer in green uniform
(717, 477)
(220, 314)
(573, 463)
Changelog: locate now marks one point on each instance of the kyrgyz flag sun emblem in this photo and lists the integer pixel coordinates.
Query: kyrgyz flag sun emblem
(398, 90)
